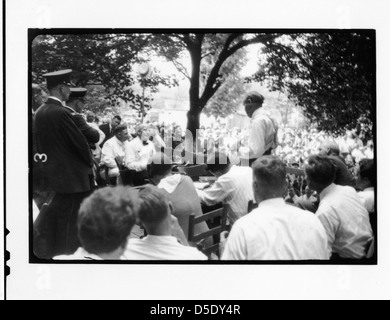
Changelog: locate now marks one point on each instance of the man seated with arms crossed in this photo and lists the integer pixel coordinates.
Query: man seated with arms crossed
(233, 186)
(341, 212)
(115, 148)
(275, 230)
(163, 231)
(104, 224)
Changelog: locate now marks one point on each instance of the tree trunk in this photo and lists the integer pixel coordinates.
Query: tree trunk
(193, 115)
(193, 120)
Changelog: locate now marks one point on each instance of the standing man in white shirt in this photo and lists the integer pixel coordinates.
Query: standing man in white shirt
(115, 148)
(341, 212)
(139, 153)
(233, 186)
(263, 136)
(275, 230)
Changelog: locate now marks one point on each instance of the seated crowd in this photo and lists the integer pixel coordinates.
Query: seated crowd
(324, 214)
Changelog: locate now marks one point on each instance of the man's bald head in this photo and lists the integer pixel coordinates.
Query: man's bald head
(329, 148)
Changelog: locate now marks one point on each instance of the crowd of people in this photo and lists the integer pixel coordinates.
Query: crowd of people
(289, 194)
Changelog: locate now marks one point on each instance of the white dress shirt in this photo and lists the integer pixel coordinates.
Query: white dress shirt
(346, 221)
(80, 254)
(111, 149)
(233, 189)
(160, 248)
(138, 155)
(277, 231)
(262, 134)
(368, 198)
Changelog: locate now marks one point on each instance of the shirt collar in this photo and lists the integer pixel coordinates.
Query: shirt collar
(369, 189)
(327, 190)
(56, 99)
(272, 202)
(89, 256)
(169, 184)
(118, 141)
(257, 113)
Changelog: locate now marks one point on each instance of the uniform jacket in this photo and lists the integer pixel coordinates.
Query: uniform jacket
(68, 157)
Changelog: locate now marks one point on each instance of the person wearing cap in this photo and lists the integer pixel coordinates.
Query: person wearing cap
(108, 128)
(263, 135)
(331, 149)
(139, 153)
(64, 153)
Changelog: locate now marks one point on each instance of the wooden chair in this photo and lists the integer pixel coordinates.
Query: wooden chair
(215, 231)
(370, 249)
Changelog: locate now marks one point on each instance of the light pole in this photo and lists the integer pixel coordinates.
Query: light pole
(144, 71)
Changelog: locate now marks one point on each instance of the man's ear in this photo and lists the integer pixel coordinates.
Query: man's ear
(255, 187)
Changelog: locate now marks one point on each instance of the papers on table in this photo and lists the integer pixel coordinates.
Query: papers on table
(201, 185)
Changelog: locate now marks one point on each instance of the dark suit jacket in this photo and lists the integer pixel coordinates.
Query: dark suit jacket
(68, 155)
(91, 134)
(106, 130)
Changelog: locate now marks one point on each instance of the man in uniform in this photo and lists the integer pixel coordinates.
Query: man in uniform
(66, 158)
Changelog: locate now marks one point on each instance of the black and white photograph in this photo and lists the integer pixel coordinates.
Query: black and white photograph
(238, 154)
(195, 155)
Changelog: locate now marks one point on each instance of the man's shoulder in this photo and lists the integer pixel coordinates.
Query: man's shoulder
(134, 142)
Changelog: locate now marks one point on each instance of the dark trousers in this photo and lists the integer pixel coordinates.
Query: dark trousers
(55, 230)
(267, 153)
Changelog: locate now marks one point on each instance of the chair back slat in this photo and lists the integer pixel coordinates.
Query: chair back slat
(207, 217)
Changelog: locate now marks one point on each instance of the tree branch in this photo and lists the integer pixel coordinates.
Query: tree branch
(179, 66)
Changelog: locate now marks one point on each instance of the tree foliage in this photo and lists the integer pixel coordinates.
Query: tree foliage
(229, 96)
(331, 75)
(98, 59)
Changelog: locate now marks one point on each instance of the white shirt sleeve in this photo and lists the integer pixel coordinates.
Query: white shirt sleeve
(108, 155)
(217, 193)
(331, 223)
(235, 248)
(257, 138)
